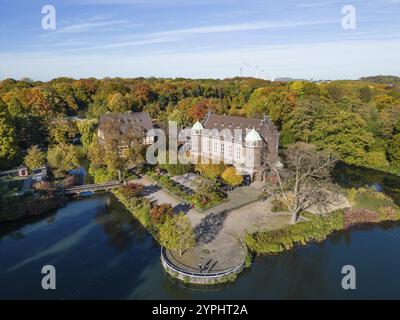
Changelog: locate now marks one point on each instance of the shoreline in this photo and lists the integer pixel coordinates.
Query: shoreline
(23, 209)
(286, 240)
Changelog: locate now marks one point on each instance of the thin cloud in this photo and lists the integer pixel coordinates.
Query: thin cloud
(248, 26)
(90, 26)
(314, 4)
(149, 2)
(126, 44)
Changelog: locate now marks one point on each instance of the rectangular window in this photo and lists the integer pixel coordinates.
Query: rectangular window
(238, 153)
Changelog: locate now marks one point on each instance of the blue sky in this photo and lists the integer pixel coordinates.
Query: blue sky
(199, 39)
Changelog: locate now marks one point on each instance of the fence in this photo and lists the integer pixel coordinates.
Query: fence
(199, 278)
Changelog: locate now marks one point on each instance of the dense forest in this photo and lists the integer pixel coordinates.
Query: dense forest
(358, 120)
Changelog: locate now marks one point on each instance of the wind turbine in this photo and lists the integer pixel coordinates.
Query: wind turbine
(256, 67)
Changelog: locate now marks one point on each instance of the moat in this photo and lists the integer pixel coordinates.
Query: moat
(100, 251)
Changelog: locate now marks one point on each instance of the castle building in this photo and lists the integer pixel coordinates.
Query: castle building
(123, 122)
(248, 144)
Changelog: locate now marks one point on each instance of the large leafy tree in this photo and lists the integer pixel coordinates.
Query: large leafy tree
(64, 157)
(334, 92)
(304, 88)
(383, 101)
(303, 117)
(231, 177)
(45, 102)
(159, 214)
(8, 141)
(394, 151)
(279, 106)
(211, 171)
(344, 134)
(366, 94)
(181, 118)
(35, 158)
(87, 131)
(257, 104)
(62, 131)
(31, 128)
(200, 109)
(118, 103)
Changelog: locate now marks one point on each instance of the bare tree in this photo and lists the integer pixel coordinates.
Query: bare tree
(306, 179)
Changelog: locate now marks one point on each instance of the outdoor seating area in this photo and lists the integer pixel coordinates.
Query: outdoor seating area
(186, 182)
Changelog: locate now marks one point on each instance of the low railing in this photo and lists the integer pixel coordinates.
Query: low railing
(197, 275)
(93, 187)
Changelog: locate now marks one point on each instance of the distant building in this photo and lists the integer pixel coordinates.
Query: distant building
(23, 171)
(39, 174)
(248, 144)
(125, 121)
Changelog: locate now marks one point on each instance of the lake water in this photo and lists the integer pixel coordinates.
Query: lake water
(100, 251)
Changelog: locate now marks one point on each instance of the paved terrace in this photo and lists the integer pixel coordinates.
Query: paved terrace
(217, 232)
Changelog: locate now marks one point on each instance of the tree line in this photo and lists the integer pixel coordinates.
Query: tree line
(357, 120)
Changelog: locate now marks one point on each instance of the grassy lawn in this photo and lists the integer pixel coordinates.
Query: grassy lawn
(369, 199)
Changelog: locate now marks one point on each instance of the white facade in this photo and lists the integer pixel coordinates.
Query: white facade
(218, 147)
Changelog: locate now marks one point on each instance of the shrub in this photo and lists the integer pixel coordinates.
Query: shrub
(315, 228)
(101, 175)
(247, 261)
(351, 195)
(357, 216)
(388, 213)
(142, 213)
(372, 200)
(210, 171)
(139, 207)
(231, 177)
(370, 207)
(132, 190)
(160, 213)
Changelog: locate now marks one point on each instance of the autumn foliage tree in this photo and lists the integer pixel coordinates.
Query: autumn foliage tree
(303, 111)
(35, 158)
(210, 170)
(176, 233)
(132, 189)
(8, 140)
(117, 152)
(64, 157)
(231, 177)
(62, 131)
(200, 109)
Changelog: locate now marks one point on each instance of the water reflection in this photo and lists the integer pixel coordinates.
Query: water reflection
(120, 226)
(100, 251)
(352, 176)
